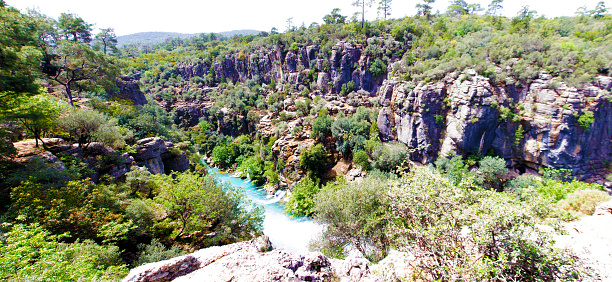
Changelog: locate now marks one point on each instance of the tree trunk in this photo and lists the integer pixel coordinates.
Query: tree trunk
(69, 94)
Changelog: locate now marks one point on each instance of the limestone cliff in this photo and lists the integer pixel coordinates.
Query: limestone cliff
(532, 125)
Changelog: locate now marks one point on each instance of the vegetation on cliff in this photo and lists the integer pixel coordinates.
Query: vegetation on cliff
(284, 108)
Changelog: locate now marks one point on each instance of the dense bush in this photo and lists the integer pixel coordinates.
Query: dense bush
(583, 201)
(354, 214)
(30, 252)
(313, 160)
(302, 200)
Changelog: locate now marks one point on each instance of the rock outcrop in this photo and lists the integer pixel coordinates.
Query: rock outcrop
(159, 156)
(541, 124)
(245, 262)
(129, 90)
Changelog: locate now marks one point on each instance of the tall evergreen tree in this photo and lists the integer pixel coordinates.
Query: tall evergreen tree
(74, 28)
(494, 7)
(362, 4)
(384, 7)
(424, 8)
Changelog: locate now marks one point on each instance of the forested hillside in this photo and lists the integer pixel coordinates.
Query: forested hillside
(453, 136)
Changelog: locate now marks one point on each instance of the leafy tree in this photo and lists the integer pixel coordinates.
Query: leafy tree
(76, 62)
(302, 200)
(74, 28)
(492, 170)
(427, 212)
(321, 126)
(86, 126)
(156, 251)
(586, 119)
(79, 207)
(494, 7)
(599, 10)
(188, 198)
(198, 203)
(334, 17)
(457, 7)
(424, 8)
(107, 40)
(355, 215)
(384, 7)
(378, 68)
(19, 58)
(522, 21)
(38, 115)
(313, 160)
(362, 4)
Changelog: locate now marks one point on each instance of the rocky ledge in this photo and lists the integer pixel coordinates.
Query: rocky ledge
(245, 261)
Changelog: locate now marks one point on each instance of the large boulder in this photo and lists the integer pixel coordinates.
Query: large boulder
(246, 261)
(130, 90)
(159, 156)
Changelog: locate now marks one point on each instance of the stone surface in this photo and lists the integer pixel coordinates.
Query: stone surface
(466, 114)
(589, 238)
(129, 90)
(246, 262)
(237, 262)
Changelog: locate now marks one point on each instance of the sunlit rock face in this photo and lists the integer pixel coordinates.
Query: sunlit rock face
(534, 125)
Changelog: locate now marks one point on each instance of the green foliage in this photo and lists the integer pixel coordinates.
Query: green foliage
(518, 136)
(80, 207)
(355, 214)
(585, 120)
(378, 68)
(426, 212)
(334, 17)
(253, 167)
(583, 201)
(361, 159)
(85, 126)
(388, 156)
(31, 253)
(38, 114)
(321, 126)
(302, 200)
(197, 203)
(454, 169)
(492, 170)
(557, 190)
(19, 58)
(313, 160)
(156, 251)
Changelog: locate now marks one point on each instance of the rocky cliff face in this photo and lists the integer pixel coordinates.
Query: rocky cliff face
(544, 123)
(158, 157)
(531, 125)
(329, 70)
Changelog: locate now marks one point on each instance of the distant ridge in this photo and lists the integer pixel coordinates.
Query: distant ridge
(149, 38)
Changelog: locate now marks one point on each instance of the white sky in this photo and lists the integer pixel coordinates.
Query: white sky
(188, 16)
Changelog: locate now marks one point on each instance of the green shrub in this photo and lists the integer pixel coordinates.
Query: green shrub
(586, 120)
(436, 219)
(156, 251)
(557, 190)
(492, 170)
(388, 156)
(355, 215)
(522, 182)
(583, 201)
(302, 200)
(30, 252)
(362, 159)
(313, 160)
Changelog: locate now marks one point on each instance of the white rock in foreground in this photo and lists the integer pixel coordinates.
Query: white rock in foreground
(245, 262)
